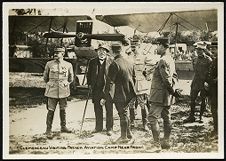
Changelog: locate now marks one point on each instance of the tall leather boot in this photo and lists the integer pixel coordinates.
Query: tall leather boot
(167, 131)
(63, 122)
(49, 121)
(155, 132)
(202, 109)
(129, 133)
(156, 136)
(215, 121)
(123, 129)
(130, 136)
(191, 118)
(144, 119)
(132, 117)
(123, 138)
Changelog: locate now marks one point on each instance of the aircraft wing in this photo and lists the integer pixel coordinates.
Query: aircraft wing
(41, 23)
(152, 22)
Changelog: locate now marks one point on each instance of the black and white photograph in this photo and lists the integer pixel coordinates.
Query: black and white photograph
(113, 80)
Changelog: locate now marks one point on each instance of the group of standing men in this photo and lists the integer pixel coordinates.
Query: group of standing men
(111, 81)
(114, 80)
(124, 83)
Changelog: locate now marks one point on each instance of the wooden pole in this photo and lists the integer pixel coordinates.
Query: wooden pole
(50, 25)
(64, 28)
(175, 49)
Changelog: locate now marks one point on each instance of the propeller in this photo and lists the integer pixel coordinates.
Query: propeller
(105, 37)
(55, 34)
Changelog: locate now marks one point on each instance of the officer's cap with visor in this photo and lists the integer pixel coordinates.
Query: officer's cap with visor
(200, 45)
(163, 41)
(116, 44)
(134, 41)
(59, 49)
(103, 46)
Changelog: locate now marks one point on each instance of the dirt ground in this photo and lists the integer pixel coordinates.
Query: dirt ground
(27, 127)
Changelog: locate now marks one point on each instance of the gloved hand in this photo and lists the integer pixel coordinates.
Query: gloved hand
(177, 93)
(66, 84)
(102, 102)
(206, 86)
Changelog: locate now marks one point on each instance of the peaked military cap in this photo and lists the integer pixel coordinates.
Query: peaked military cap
(163, 40)
(200, 45)
(59, 49)
(116, 43)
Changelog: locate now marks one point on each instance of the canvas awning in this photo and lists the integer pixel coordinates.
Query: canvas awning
(42, 23)
(152, 22)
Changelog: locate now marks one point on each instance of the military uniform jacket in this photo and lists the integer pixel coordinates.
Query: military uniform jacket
(122, 74)
(212, 78)
(93, 73)
(141, 83)
(163, 82)
(201, 72)
(58, 76)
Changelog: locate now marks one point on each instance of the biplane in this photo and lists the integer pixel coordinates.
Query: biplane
(81, 27)
(78, 28)
(176, 21)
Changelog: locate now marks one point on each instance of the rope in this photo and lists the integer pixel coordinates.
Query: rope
(183, 26)
(187, 22)
(164, 24)
(37, 25)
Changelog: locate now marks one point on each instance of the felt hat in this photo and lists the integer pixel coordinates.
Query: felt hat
(103, 46)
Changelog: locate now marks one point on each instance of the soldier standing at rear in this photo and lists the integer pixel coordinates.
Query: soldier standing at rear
(213, 92)
(201, 72)
(141, 84)
(58, 75)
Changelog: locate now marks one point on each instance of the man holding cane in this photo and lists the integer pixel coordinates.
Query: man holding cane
(98, 82)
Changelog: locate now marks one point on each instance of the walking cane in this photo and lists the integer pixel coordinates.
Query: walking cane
(83, 117)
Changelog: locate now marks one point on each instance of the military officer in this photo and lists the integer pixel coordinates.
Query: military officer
(141, 84)
(121, 73)
(212, 86)
(161, 94)
(58, 75)
(201, 71)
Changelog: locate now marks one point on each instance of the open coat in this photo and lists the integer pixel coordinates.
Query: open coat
(93, 73)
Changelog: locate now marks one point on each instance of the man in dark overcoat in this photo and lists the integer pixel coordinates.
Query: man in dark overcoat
(97, 81)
